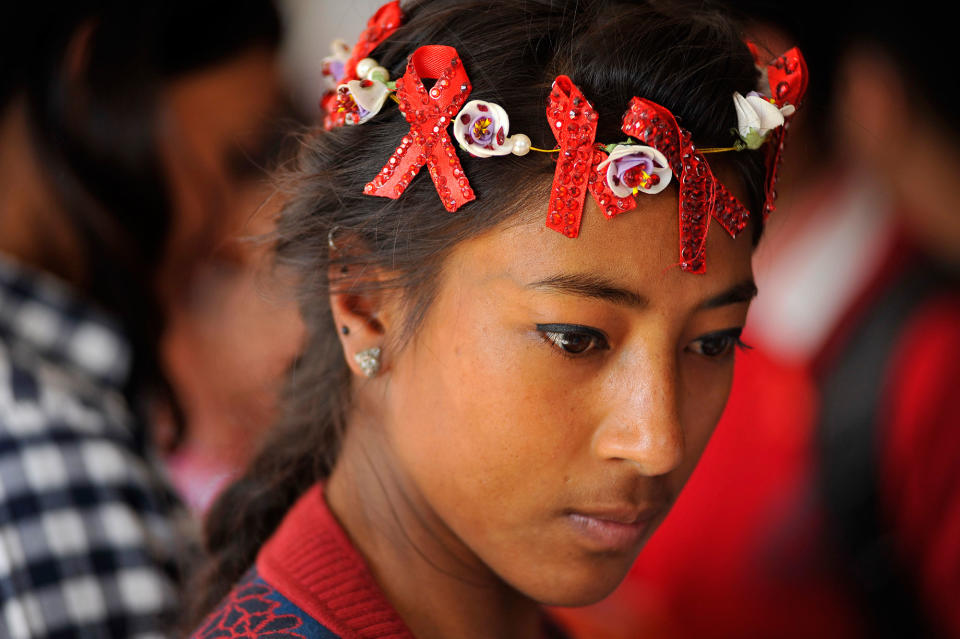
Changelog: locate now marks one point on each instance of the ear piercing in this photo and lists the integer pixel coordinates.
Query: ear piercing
(345, 330)
(369, 361)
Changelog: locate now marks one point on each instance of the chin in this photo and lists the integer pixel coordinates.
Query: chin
(579, 583)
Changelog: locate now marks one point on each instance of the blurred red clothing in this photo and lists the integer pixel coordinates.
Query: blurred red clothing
(922, 456)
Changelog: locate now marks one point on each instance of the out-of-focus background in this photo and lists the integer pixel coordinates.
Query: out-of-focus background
(229, 351)
(311, 26)
(828, 502)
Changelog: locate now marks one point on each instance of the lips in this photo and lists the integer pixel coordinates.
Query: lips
(613, 529)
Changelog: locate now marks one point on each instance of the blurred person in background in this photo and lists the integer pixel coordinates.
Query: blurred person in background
(232, 325)
(828, 502)
(226, 347)
(887, 447)
(126, 132)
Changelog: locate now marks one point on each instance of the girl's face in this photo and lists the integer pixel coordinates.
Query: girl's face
(560, 392)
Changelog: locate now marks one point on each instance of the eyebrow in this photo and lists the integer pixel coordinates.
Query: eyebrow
(736, 294)
(592, 286)
(597, 287)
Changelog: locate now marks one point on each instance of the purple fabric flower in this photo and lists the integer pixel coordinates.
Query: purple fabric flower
(634, 168)
(333, 67)
(360, 100)
(482, 128)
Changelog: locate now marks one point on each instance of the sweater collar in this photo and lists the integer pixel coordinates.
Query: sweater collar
(311, 561)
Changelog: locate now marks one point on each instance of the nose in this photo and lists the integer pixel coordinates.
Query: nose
(642, 421)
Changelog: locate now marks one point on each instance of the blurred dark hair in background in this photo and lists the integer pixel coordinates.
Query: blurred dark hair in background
(90, 72)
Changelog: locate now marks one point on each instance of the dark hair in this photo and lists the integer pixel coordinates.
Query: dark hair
(96, 134)
(688, 58)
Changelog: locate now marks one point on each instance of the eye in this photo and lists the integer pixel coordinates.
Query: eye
(718, 344)
(573, 339)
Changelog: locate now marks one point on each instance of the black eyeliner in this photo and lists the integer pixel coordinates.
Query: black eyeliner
(571, 328)
(733, 333)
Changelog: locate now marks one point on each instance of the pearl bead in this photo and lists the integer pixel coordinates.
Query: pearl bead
(521, 144)
(378, 73)
(364, 67)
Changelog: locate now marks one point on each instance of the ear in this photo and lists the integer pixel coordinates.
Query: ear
(364, 312)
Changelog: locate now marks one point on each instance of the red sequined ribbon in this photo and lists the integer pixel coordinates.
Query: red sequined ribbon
(702, 196)
(380, 26)
(788, 76)
(573, 121)
(429, 113)
(788, 79)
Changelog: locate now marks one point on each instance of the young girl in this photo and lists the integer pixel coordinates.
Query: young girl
(517, 352)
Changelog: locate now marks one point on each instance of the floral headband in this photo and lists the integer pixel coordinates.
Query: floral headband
(657, 148)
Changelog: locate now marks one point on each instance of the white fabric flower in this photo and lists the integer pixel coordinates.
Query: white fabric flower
(333, 67)
(757, 116)
(361, 99)
(482, 128)
(635, 168)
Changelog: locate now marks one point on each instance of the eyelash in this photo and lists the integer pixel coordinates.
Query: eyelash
(559, 337)
(730, 339)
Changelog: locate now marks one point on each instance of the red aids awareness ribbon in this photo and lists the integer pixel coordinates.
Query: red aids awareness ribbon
(380, 26)
(702, 196)
(573, 121)
(788, 78)
(429, 113)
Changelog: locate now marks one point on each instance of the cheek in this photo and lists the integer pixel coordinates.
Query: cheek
(479, 429)
(705, 387)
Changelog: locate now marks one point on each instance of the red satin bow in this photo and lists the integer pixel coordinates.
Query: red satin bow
(429, 113)
(788, 78)
(380, 26)
(702, 196)
(573, 121)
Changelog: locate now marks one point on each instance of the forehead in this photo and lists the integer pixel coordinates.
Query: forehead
(638, 250)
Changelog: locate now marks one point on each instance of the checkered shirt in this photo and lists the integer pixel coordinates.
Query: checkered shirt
(89, 531)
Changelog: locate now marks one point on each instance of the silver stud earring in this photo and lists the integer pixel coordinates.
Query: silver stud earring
(369, 361)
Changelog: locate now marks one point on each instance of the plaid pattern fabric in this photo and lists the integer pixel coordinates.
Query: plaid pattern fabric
(89, 531)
